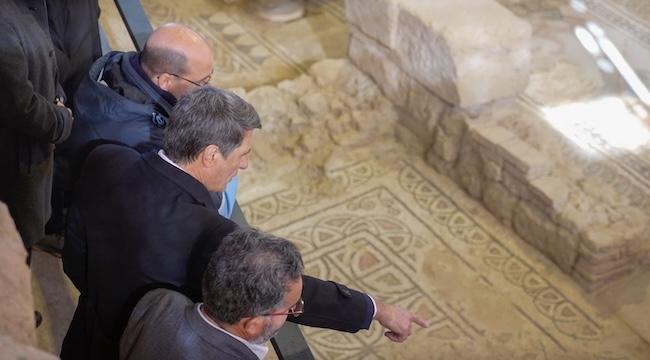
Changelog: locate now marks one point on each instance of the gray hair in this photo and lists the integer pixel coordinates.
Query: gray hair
(207, 116)
(249, 275)
(157, 60)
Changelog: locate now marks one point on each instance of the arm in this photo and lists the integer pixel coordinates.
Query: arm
(34, 115)
(334, 306)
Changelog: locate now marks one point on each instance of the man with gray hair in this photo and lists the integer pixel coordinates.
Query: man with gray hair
(145, 221)
(251, 285)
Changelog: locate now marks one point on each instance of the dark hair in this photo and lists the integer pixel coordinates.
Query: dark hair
(158, 60)
(205, 116)
(249, 275)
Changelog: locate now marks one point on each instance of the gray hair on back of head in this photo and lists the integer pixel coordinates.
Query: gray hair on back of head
(207, 116)
(249, 274)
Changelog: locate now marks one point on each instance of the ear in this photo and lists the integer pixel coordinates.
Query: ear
(253, 327)
(210, 155)
(164, 81)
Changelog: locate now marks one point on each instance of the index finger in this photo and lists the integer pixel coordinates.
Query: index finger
(420, 321)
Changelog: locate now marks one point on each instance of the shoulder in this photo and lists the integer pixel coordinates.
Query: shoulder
(160, 305)
(111, 151)
(108, 161)
(164, 298)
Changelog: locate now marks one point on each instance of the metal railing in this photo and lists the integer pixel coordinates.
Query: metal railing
(289, 343)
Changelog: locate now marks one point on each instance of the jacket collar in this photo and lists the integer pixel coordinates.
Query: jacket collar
(136, 76)
(181, 178)
(216, 338)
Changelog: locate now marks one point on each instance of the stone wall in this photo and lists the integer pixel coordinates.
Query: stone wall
(454, 75)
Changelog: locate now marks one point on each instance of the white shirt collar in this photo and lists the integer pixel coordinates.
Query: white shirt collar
(259, 350)
(162, 154)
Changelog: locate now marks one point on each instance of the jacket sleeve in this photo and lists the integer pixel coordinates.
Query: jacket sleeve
(333, 306)
(25, 109)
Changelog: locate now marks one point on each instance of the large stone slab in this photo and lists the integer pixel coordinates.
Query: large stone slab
(17, 310)
(468, 52)
(376, 18)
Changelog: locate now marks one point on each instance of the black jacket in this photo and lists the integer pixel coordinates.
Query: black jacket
(30, 122)
(75, 33)
(138, 223)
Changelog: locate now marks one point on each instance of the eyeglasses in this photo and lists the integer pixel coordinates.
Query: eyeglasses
(202, 82)
(297, 309)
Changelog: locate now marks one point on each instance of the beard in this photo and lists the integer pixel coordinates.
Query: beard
(269, 332)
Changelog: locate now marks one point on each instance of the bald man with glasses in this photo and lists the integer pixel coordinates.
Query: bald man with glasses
(127, 97)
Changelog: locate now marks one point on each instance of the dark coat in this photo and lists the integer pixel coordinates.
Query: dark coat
(30, 122)
(74, 29)
(166, 325)
(139, 223)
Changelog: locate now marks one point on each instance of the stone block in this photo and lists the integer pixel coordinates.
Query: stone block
(424, 105)
(534, 227)
(467, 57)
(499, 201)
(605, 239)
(526, 160)
(299, 86)
(455, 122)
(564, 250)
(490, 136)
(491, 168)
(551, 191)
(313, 104)
(515, 184)
(276, 106)
(445, 146)
(17, 311)
(376, 18)
(470, 171)
(412, 140)
(11, 349)
(375, 60)
(332, 73)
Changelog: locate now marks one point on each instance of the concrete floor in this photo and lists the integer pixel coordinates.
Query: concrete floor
(381, 220)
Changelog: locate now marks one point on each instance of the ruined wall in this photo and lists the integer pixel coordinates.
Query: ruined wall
(455, 76)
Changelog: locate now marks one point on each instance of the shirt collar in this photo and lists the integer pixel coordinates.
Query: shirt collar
(162, 155)
(259, 350)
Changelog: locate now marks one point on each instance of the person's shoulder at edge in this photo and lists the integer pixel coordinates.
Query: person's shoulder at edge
(110, 158)
(163, 298)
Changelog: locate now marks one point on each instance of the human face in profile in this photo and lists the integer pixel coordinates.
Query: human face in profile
(224, 169)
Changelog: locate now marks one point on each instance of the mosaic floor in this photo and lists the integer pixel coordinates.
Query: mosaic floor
(411, 237)
(399, 230)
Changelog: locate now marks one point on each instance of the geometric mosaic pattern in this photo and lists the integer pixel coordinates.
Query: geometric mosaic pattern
(395, 226)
